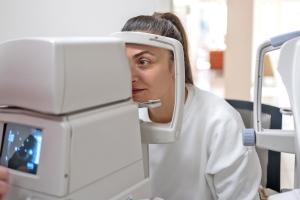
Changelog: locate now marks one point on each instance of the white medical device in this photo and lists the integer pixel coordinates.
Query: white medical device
(289, 69)
(68, 126)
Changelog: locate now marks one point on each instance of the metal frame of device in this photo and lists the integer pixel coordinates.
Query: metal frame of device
(277, 140)
(153, 133)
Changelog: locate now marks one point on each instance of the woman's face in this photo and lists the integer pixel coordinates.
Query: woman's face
(152, 73)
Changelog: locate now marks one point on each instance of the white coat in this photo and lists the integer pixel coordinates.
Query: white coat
(209, 161)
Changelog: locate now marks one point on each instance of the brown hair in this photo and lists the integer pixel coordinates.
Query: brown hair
(164, 24)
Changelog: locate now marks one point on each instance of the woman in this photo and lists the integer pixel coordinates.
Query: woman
(209, 160)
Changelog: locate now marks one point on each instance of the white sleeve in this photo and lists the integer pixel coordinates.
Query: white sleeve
(233, 171)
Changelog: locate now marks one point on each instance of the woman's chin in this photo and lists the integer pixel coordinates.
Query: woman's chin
(139, 99)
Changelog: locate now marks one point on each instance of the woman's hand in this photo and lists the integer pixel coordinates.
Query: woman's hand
(4, 185)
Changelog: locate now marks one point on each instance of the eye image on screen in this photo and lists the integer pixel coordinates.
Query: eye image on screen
(21, 147)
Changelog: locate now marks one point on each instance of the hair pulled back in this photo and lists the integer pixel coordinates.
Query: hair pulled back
(164, 24)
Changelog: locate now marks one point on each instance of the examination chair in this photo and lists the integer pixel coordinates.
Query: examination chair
(269, 160)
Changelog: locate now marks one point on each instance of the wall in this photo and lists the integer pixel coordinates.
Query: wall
(69, 18)
(163, 5)
(239, 52)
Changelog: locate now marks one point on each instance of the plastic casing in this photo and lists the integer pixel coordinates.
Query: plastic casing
(63, 75)
(153, 133)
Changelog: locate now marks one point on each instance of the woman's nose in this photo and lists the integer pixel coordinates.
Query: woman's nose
(134, 75)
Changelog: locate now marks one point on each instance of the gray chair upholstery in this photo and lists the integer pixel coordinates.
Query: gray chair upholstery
(269, 160)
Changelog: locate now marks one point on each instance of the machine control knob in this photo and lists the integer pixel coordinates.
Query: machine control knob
(249, 138)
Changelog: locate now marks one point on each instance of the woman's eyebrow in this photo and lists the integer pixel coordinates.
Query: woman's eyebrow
(143, 52)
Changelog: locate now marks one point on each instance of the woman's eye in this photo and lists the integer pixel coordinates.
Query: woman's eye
(143, 62)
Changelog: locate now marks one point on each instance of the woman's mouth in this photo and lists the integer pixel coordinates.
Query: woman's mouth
(137, 90)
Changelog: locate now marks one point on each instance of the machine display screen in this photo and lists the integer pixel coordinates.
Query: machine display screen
(21, 147)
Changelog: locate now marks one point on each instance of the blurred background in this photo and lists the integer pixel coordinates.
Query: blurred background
(224, 37)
